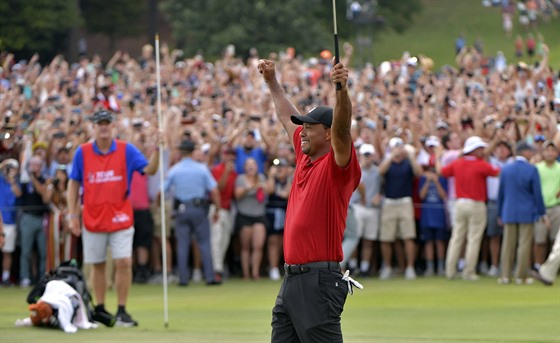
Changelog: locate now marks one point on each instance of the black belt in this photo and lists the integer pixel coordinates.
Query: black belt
(291, 269)
(197, 202)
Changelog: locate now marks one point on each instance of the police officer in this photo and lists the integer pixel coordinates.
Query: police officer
(193, 186)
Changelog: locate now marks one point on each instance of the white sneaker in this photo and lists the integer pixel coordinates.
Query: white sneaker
(504, 281)
(274, 274)
(527, 281)
(385, 273)
(172, 278)
(472, 277)
(409, 273)
(197, 275)
(24, 283)
(493, 271)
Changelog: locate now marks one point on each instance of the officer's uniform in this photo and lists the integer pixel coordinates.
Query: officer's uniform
(192, 183)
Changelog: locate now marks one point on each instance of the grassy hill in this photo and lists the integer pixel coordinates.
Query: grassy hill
(435, 29)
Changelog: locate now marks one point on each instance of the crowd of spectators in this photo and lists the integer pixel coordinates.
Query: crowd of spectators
(223, 106)
(529, 12)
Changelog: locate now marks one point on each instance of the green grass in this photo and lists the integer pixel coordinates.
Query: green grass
(434, 31)
(425, 310)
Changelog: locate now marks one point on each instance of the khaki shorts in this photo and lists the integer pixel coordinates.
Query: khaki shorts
(541, 232)
(156, 214)
(397, 221)
(96, 243)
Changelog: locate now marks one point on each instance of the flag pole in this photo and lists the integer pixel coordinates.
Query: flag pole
(336, 53)
(162, 192)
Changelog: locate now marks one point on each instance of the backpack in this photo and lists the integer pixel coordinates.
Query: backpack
(69, 272)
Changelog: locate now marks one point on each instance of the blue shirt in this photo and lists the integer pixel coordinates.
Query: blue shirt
(398, 180)
(257, 154)
(135, 161)
(7, 202)
(190, 180)
(433, 207)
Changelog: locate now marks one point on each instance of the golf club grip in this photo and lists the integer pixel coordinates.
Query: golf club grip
(336, 58)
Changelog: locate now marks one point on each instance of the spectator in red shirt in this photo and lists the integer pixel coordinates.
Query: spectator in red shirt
(327, 172)
(470, 172)
(221, 230)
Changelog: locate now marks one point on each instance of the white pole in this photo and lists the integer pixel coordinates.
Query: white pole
(162, 193)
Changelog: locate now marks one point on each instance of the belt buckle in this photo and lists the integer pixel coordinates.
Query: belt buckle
(182, 208)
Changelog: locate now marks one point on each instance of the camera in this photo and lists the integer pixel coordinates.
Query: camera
(59, 135)
(9, 165)
(55, 182)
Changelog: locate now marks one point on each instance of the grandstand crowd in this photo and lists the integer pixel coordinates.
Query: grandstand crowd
(224, 108)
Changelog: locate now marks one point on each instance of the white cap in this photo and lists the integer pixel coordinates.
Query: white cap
(205, 147)
(473, 143)
(432, 141)
(395, 142)
(367, 149)
(412, 61)
(12, 162)
(441, 125)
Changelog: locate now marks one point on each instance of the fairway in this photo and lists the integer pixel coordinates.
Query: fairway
(424, 310)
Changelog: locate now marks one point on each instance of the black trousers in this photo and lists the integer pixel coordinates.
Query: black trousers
(308, 307)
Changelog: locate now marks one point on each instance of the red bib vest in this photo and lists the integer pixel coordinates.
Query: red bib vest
(106, 204)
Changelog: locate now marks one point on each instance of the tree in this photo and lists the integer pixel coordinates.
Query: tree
(307, 25)
(116, 19)
(30, 26)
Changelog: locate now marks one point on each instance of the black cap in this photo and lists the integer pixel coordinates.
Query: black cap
(522, 146)
(187, 145)
(318, 115)
(102, 115)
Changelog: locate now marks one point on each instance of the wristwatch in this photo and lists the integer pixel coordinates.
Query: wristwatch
(71, 216)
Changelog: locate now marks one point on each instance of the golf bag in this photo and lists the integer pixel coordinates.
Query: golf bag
(70, 273)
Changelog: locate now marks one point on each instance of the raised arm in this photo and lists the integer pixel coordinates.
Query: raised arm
(283, 105)
(341, 139)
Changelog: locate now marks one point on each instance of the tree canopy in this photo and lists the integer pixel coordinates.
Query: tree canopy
(36, 26)
(115, 19)
(307, 25)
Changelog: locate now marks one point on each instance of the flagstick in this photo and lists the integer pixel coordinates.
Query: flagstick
(162, 193)
(336, 54)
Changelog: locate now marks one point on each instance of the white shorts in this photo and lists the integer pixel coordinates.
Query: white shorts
(368, 221)
(96, 243)
(10, 239)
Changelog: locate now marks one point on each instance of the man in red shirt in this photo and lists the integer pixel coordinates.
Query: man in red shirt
(312, 295)
(221, 230)
(470, 172)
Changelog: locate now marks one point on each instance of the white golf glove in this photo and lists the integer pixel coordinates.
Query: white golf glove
(351, 282)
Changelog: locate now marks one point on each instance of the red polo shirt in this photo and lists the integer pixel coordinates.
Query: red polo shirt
(318, 206)
(470, 177)
(226, 194)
